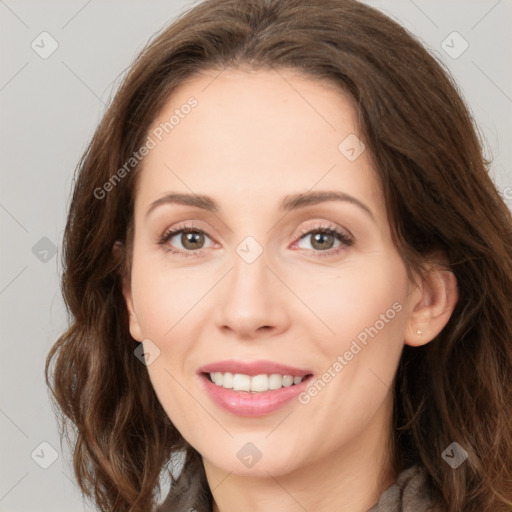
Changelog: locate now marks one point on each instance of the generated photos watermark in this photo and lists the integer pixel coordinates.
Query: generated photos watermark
(356, 346)
(152, 140)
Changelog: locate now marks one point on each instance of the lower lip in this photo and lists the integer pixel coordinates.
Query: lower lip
(244, 403)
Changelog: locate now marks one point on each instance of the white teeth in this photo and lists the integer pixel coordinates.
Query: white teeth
(227, 380)
(287, 381)
(275, 381)
(241, 382)
(257, 383)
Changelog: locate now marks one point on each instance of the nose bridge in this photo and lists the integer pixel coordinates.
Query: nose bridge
(250, 299)
(250, 246)
(250, 275)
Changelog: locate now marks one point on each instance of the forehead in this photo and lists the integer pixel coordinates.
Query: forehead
(253, 135)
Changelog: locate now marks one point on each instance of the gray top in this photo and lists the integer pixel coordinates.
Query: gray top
(410, 493)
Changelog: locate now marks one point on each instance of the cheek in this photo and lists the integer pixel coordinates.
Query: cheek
(165, 296)
(170, 310)
(363, 294)
(365, 310)
(166, 302)
(367, 313)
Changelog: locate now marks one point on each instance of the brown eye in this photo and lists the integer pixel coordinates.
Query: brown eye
(326, 240)
(192, 240)
(322, 241)
(185, 240)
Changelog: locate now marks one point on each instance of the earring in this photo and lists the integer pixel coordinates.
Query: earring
(419, 332)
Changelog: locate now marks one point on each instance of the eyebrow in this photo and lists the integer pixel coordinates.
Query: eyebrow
(289, 203)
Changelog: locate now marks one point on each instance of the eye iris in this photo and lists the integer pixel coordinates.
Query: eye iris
(192, 239)
(318, 238)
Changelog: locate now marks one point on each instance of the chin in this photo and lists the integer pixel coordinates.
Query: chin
(248, 460)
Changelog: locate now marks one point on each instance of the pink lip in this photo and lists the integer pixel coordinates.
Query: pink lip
(253, 368)
(244, 403)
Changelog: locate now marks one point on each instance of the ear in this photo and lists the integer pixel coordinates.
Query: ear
(118, 250)
(435, 299)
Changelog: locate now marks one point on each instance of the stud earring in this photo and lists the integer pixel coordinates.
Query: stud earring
(419, 332)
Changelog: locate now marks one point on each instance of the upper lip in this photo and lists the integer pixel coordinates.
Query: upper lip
(253, 368)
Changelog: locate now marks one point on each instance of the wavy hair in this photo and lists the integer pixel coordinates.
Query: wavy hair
(439, 197)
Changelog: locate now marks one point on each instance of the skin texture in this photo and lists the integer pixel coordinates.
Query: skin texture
(255, 137)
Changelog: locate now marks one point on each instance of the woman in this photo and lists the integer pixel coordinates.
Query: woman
(285, 260)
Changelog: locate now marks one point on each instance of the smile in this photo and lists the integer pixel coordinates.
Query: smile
(256, 383)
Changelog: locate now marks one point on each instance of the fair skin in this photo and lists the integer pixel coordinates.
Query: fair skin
(252, 140)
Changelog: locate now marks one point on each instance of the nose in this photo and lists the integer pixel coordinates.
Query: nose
(251, 301)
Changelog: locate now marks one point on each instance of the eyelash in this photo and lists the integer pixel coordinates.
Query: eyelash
(345, 240)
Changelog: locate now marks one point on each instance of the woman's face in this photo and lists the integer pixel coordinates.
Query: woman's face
(249, 284)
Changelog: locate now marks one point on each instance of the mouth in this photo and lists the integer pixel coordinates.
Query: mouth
(253, 393)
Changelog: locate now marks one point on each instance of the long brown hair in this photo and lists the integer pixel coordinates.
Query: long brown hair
(439, 197)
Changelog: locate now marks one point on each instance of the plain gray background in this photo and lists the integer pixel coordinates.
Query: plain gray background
(50, 108)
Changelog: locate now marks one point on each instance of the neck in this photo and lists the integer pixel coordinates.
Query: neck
(349, 479)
